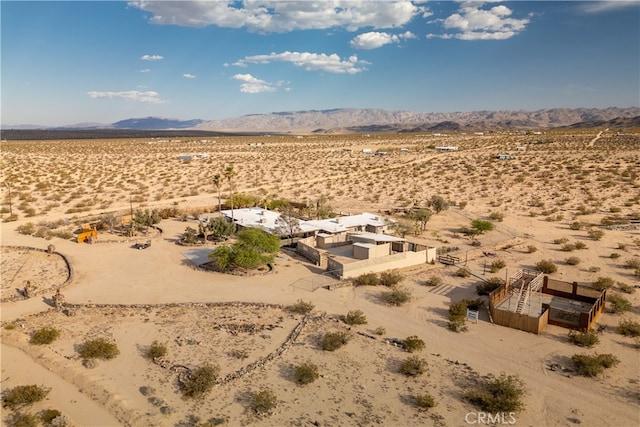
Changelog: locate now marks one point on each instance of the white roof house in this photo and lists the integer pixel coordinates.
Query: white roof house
(262, 218)
(346, 223)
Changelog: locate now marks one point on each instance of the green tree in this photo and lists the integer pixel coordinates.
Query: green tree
(254, 248)
(421, 216)
(287, 223)
(220, 228)
(223, 257)
(402, 227)
(438, 203)
(481, 225)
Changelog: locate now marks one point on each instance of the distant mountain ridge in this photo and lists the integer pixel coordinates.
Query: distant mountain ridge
(349, 120)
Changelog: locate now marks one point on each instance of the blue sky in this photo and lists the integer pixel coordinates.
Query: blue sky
(72, 62)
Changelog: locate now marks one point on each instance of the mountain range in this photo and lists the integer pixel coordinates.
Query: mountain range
(353, 120)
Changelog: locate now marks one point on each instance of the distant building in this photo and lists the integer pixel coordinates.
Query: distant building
(447, 148)
(504, 157)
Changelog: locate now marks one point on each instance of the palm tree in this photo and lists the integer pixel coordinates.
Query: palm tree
(229, 173)
(217, 182)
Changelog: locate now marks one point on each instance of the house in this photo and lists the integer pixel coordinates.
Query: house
(367, 150)
(447, 148)
(266, 220)
(529, 301)
(504, 157)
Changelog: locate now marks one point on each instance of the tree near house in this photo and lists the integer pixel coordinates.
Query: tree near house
(421, 217)
(220, 228)
(229, 173)
(481, 225)
(254, 248)
(217, 182)
(402, 227)
(287, 223)
(438, 203)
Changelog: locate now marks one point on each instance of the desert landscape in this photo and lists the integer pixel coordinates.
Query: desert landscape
(567, 196)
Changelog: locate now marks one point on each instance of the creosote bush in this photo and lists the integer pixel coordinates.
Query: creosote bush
(306, 373)
(396, 296)
(264, 402)
(628, 328)
(355, 317)
(573, 260)
(457, 315)
(498, 394)
(367, 279)
(301, 307)
(497, 265)
(412, 344)
(23, 395)
(546, 266)
(99, 348)
(24, 420)
(489, 285)
(156, 349)
(462, 272)
(592, 366)
(380, 330)
(603, 283)
(425, 401)
(531, 249)
(586, 338)
(433, 281)
(618, 304)
(200, 381)
(413, 366)
(44, 335)
(331, 341)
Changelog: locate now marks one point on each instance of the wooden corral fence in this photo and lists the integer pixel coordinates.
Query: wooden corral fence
(448, 259)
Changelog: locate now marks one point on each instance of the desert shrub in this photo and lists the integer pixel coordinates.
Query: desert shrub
(433, 281)
(614, 255)
(367, 279)
(264, 402)
(23, 395)
(380, 331)
(397, 296)
(474, 304)
(331, 341)
(498, 394)
(412, 344)
(489, 285)
(10, 327)
(560, 241)
(355, 317)
(603, 283)
(53, 417)
(390, 278)
(99, 348)
(580, 245)
(24, 420)
(425, 401)
(628, 328)
(592, 366)
(572, 260)
(200, 381)
(44, 335)
(595, 234)
(482, 226)
(627, 289)
(618, 304)
(576, 225)
(531, 249)
(156, 349)
(497, 265)
(633, 263)
(462, 272)
(301, 307)
(28, 229)
(457, 315)
(546, 266)
(413, 366)
(568, 247)
(497, 216)
(306, 373)
(586, 338)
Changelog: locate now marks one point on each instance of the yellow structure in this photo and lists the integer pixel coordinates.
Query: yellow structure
(89, 232)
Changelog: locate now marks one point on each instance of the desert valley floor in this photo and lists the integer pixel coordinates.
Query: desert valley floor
(555, 188)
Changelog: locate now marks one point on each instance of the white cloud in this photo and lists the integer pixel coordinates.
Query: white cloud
(309, 61)
(284, 16)
(472, 22)
(374, 39)
(145, 70)
(252, 84)
(606, 6)
(149, 97)
(188, 76)
(151, 57)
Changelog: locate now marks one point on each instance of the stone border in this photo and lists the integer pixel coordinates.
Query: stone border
(67, 281)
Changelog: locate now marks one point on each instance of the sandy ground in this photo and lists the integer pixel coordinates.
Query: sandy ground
(137, 296)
